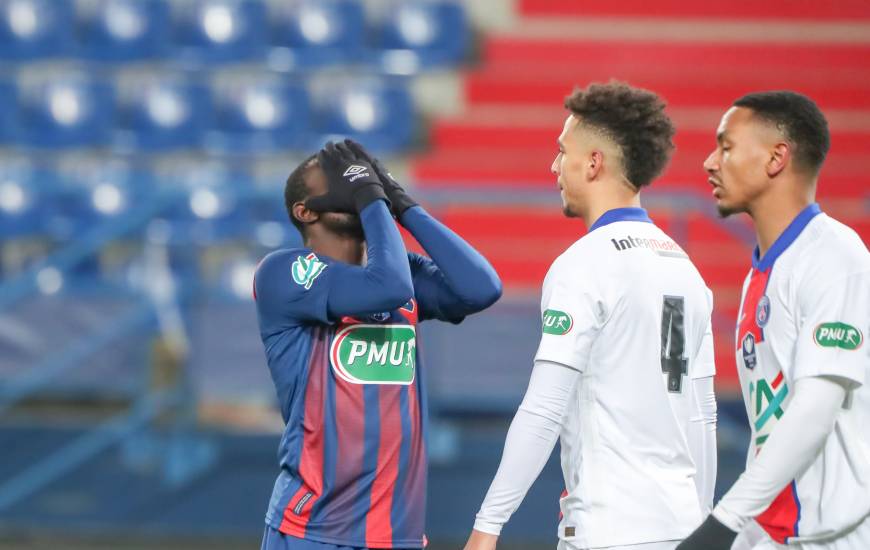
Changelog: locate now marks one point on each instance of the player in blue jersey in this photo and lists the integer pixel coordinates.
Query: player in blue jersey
(338, 319)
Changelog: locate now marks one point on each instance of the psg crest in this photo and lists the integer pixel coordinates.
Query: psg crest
(748, 349)
(762, 312)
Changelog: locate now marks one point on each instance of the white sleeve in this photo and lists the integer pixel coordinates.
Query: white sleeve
(792, 446)
(572, 313)
(833, 325)
(704, 364)
(529, 443)
(702, 441)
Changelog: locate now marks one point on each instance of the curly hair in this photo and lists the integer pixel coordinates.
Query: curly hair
(800, 121)
(634, 119)
(296, 189)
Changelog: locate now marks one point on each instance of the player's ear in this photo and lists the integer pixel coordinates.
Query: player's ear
(780, 156)
(303, 213)
(594, 164)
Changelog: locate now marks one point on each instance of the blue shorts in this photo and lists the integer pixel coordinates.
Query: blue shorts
(276, 540)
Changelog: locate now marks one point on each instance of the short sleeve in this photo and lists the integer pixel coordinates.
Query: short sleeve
(572, 313)
(833, 323)
(291, 287)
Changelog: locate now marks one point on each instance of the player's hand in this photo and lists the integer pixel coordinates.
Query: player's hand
(395, 192)
(711, 535)
(481, 541)
(353, 183)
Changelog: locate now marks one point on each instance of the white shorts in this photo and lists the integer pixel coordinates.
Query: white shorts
(858, 538)
(665, 545)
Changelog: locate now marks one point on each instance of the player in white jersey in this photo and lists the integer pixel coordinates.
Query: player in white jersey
(623, 376)
(800, 349)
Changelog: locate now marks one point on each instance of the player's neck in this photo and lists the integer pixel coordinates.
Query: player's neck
(772, 214)
(343, 248)
(599, 205)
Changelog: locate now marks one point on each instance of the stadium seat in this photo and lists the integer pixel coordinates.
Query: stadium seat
(35, 29)
(8, 116)
(313, 33)
(218, 31)
(64, 108)
(257, 114)
(378, 113)
(22, 210)
(161, 111)
(123, 30)
(423, 34)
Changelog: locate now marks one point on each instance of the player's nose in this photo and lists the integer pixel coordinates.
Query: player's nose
(554, 167)
(711, 163)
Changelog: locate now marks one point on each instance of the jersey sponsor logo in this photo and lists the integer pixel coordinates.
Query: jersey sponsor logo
(838, 335)
(750, 359)
(661, 247)
(557, 322)
(375, 354)
(768, 403)
(762, 311)
(306, 269)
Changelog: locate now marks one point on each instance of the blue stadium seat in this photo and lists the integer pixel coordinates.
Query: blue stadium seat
(378, 113)
(161, 112)
(64, 108)
(35, 29)
(257, 114)
(422, 35)
(22, 208)
(219, 31)
(9, 115)
(124, 30)
(317, 32)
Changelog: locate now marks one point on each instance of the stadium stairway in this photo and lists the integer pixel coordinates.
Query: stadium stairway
(501, 142)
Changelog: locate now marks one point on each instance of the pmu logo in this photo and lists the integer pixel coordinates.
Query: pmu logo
(557, 322)
(355, 172)
(838, 335)
(748, 348)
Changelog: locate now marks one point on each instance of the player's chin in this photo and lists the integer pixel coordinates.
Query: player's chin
(726, 209)
(343, 223)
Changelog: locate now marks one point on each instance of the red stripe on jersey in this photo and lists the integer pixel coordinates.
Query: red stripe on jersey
(409, 311)
(781, 517)
(748, 322)
(379, 526)
(777, 381)
(563, 495)
(311, 460)
(350, 423)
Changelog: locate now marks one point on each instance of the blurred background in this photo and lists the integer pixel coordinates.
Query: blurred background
(144, 145)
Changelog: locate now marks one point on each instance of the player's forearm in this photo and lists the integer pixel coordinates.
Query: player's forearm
(467, 273)
(792, 446)
(529, 443)
(384, 283)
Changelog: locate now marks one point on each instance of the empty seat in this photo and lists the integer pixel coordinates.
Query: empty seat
(161, 111)
(257, 113)
(35, 29)
(378, 113)
(64, 108)
(312, 33)
(8, 115)
(22, 208)
(424, 34)
(218, 31)
(123, 30)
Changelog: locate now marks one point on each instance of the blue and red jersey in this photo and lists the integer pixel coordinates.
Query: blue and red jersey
(353, 453)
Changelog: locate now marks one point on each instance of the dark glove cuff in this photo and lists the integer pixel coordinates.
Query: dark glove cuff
(368, 194)
(401, 202)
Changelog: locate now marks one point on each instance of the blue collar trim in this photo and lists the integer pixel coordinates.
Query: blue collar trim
(784, 241)
(621, 215)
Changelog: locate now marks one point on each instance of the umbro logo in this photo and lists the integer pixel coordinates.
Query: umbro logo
(355, 171)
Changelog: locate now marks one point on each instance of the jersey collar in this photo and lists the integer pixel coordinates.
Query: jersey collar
(784, 241)
(621, 215)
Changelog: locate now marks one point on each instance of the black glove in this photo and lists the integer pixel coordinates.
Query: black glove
(399, 199)
(353, 183)
(711, 535)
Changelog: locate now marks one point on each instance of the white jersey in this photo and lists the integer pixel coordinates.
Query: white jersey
(626, 307)
(805, 311)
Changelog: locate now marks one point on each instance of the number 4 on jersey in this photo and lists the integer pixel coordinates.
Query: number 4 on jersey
(674, 364)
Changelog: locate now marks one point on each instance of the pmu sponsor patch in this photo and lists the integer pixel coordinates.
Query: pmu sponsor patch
(375, 354)
(557, 322)
(838, 335)
(306, 269)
